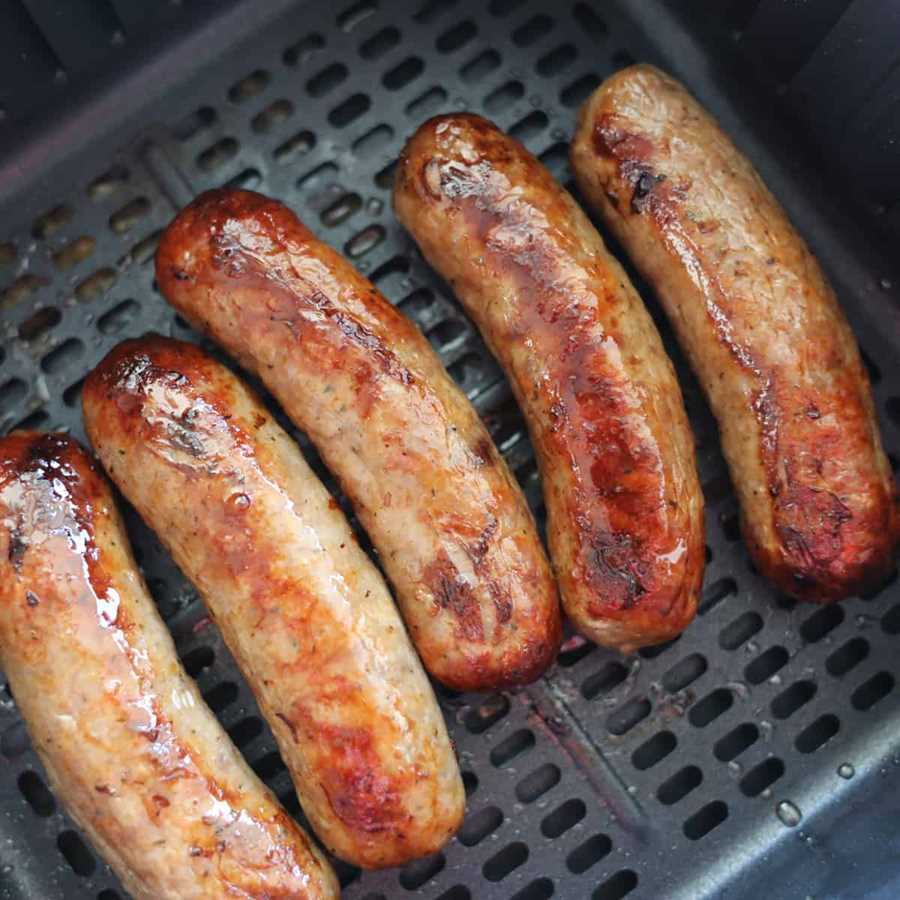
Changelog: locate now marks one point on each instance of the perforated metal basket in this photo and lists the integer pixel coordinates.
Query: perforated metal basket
(660, 775)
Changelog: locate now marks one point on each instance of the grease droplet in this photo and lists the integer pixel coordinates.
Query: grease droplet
(239, 501)
(788, 813)
(845, 770)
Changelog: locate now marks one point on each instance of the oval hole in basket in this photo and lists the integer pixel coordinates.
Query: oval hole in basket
(711, 707)
(36, 793)
(480, 66)
(628, 715)
(119, 317)
(588, 853)
(325, 81)
(303, 50)
(107, 184)
(426, 103)
(374, 140)
(740, 630)
(515, 745)
(653, 750)
(14, 741)
(873, 690)
(216, 155)
(564, 817)
(821, 622)
(818, 733)
(478, 825)
(76, 853)
(198, 659)
(610, 675)
(847, 657)
(403, 73)
(575, 649)
(419, 872)
(342, 209)
(684, 673)
(529, 127)
(766, 664)
(376, 46)
(12, 393)
(457, 892)
(21, 289)
(51, 221)
(533, 30)
(346, 873)
(95, 285)
(353, 16)
(249, 86)
(504, 7)
(367, 239)
(245, 730)
(143, 251)
(578, 91)
(350, 110)
(457, 36)
(619, 885)
(272, 116)
(557, 60)
(538, 782)
(762, 776)
(505, 861)
(269, 766)
(705, 820)
(64, 356)
(716, 593)
(736, 741)
(190, 126)
(433, 9)
(791, 699)
(540, 889)
(296, 145)
(490, 711)
(39, 323)
(589, 22)
(74, 252)
(679, 785)
(221, 696)
(503, 97)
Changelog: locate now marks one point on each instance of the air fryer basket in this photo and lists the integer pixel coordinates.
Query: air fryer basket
(753, 756)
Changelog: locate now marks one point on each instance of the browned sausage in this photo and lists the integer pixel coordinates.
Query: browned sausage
(139, 761)
(588, 368)
(761, 326)
(449, 522)
(305, 613)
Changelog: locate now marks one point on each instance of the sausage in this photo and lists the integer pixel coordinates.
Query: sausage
(762, 329)
(616, 456)
(448, 520)
(140, 762)
(305, 613)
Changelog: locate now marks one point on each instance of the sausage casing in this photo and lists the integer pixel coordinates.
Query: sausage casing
(605, 412)
(760, 325)
(450, 523)
(140, 762)
(305, 613)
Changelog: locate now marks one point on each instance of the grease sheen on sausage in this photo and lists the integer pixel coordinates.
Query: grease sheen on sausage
(450, 523)
(130, 748)
(303, 610)
(761, 326)
(605, 413)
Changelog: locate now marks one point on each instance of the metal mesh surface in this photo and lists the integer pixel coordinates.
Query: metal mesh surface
(658, 775)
